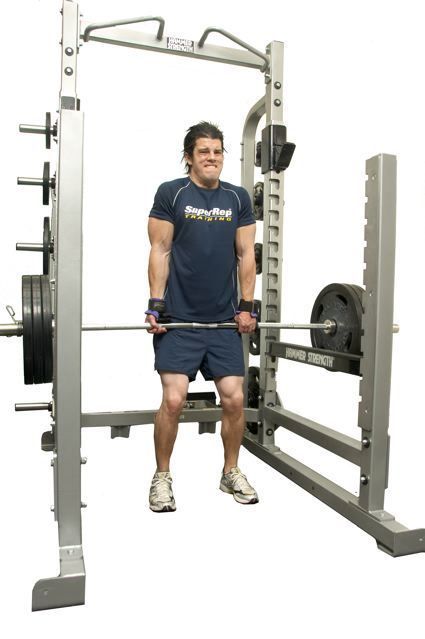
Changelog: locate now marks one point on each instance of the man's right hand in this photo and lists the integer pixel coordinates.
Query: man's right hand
(156, 328)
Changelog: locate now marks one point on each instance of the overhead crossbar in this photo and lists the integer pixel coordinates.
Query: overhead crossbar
(108, 33)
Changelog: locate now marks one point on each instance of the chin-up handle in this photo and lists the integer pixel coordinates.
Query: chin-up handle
(116, 23)
(241, 43)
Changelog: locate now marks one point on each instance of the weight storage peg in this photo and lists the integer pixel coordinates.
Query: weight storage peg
(48, 130)
(46, 248)
(46, 182)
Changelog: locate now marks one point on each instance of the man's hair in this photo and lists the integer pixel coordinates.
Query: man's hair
(200, 130)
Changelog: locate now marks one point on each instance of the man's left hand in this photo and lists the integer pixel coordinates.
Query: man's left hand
(246, 323)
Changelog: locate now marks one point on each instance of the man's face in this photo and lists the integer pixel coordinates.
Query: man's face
(206, 162)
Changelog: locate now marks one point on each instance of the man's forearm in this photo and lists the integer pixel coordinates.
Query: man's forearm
(159, 267)
(247, 275)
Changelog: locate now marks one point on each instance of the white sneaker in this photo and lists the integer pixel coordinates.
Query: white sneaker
(161, 498)
(236, 484)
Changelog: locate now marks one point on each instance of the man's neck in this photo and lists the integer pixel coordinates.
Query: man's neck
(203, 185)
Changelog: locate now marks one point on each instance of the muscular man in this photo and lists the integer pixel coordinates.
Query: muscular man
(202, 234)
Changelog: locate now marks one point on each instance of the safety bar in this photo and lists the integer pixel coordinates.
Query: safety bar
(116, 23)
(241, 43)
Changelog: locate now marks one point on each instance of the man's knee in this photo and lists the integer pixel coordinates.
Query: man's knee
(173, 402)
(233, 402)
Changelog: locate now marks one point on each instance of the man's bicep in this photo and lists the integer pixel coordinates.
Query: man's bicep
(160, 233)
(245, 238)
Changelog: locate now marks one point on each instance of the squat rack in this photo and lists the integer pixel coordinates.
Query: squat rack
(370, 453)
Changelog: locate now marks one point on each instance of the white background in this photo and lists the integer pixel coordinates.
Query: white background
(288, 566)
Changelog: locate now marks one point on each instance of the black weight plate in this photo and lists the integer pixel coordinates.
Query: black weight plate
(253, 394)
(46, 245)
(359, 291)
(258, 250)
(27, 329)
(254, 342)
(46, 182)
(340, 303)
(37, 330)
(48, 132)
(253, 386)
(258, 154)
(258, 198)
(46, 304)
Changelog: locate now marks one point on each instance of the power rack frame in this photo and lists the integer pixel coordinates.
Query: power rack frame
(370, 452)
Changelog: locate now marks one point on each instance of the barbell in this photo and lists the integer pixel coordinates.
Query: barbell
(335, 324)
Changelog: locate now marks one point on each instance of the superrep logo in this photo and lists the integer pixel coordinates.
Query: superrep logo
(212, 215)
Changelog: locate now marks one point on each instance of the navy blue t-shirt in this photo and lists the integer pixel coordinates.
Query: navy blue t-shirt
(202, 282)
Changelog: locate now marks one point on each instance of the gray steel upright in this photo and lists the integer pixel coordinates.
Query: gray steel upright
(377, 339)
(272, 245)
(69, 587)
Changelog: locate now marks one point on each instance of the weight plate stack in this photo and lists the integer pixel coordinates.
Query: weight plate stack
(37, 329)
(47, 328)
(27, 329)
(341, 303)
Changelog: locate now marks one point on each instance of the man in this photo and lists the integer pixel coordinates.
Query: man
(202, 232)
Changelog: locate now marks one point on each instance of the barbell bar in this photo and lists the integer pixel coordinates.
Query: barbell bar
(16, 329)
(335, 324)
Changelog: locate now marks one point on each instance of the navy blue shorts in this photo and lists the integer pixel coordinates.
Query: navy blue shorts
(215, 352)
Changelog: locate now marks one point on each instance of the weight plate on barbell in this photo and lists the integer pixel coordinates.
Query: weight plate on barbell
(27, 329)
(37, 330)
(342, 304)
(46, 304)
